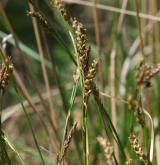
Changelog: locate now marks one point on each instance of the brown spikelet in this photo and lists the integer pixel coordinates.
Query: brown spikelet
(66, 144)
(40, 18)
(88, 83)
(81, 42)
(142, 73)
(68, 140)
(137, 147)
(107, 148)
(60, 7)
(5, 74)
(134, 104)
(145, 72)
(154, 71)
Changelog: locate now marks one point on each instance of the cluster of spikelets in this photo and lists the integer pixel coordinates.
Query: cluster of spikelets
(134, 104)
(137, 148)
(107, 148)
(80, 34)
(145, 72)
(5, 74)
(88, 84)
(83, 49)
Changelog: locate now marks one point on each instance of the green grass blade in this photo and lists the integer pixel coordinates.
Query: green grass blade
(29, 124)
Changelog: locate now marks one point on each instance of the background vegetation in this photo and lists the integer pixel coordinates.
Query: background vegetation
(56, 111)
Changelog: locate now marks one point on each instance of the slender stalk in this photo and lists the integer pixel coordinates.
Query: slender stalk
(54, 73)
(44, 71)
(113, 92)
(139, 28)
(72, 99)
(98, 44)
(14, 150)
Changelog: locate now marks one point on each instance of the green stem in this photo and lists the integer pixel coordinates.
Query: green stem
(85, 136)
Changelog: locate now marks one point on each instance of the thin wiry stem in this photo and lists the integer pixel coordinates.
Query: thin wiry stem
(54, 72)
(98, 44)
(72, 99)
(139, 28)
(113, 97)
(122, 16)
(113, 92)
(14, 149)
(44, 71)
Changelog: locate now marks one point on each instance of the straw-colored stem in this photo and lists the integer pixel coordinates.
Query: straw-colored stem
(44, 71)
(139, 28)
(98, 44)
(113, 93)
(54, 72)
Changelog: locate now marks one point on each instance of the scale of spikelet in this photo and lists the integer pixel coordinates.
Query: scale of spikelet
(137, 147)
(5, 74)
(60, 7)
(88, 83)
(82, 48)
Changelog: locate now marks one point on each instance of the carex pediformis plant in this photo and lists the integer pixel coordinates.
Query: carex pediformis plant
(88, 72)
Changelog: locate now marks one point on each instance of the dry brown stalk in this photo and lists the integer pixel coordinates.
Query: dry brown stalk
(44, 71)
